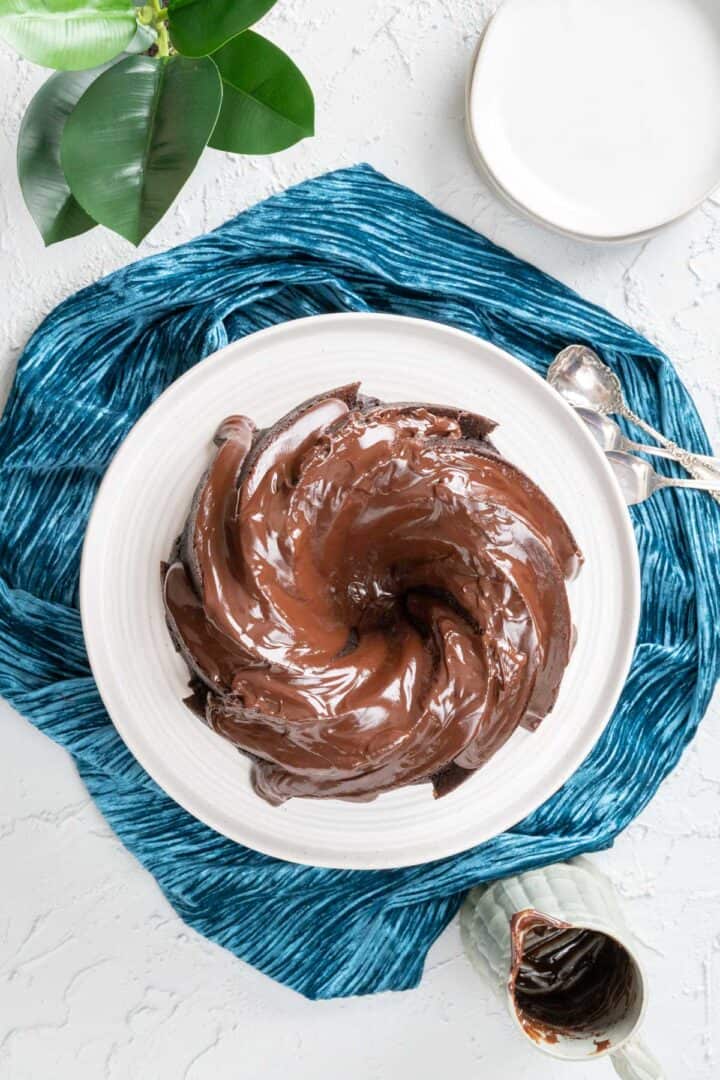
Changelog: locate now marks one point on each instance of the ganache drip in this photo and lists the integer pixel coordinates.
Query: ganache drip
(369, 595)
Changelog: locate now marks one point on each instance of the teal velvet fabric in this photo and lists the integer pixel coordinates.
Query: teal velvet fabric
(348, 241)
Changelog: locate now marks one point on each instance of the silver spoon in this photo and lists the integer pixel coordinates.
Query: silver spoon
(580, 376)
(638, 480)
(609, 437)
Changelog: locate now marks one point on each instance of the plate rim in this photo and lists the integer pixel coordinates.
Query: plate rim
(279, 848)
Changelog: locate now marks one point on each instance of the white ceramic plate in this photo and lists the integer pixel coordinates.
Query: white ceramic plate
(143, 502)
(599, 117)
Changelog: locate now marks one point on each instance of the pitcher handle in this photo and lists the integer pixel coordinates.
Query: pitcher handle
(633, 1061)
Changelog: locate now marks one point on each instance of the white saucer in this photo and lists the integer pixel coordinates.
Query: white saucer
(145, 497)
(600, 117)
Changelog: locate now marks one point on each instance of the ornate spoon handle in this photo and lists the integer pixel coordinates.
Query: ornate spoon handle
(699, 485)
(711, 463)
(693, 463)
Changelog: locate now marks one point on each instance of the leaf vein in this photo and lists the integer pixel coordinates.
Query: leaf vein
(148, 142)
(268, 108)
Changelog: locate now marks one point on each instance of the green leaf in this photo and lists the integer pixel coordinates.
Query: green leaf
(144, 37)
(199, 27)
(135, 137)
(67, 34)
(267, 104)
(45, 190)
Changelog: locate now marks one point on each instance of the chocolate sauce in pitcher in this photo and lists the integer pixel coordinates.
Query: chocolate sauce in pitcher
(566, 980)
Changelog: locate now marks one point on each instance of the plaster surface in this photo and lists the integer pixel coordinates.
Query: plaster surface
(99, 980)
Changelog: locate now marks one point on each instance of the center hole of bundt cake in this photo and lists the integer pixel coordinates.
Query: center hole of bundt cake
(382, 597)
(372, 601)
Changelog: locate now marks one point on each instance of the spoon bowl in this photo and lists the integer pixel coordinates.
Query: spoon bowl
(580, 376)
(638, 480)
(605, 431)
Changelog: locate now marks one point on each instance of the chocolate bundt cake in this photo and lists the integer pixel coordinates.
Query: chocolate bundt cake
(369, 595)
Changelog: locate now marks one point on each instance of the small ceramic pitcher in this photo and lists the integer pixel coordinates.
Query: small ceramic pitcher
(510, 929)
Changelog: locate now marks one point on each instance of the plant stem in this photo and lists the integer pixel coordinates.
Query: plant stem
(163, 41)
(160, 24)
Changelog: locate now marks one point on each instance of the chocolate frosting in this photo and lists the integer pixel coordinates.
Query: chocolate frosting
(566, 980)
(369, 595)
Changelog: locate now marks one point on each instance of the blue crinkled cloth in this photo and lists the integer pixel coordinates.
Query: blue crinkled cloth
(351, 240)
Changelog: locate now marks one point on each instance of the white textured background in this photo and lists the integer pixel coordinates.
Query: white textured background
(98, 978)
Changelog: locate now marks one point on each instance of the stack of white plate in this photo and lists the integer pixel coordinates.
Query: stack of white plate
(599, 118)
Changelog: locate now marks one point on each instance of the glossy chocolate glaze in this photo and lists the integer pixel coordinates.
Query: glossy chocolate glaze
(566, 980)
(368, 596)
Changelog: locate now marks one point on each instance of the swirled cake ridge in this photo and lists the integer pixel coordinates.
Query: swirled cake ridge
(369, 595)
